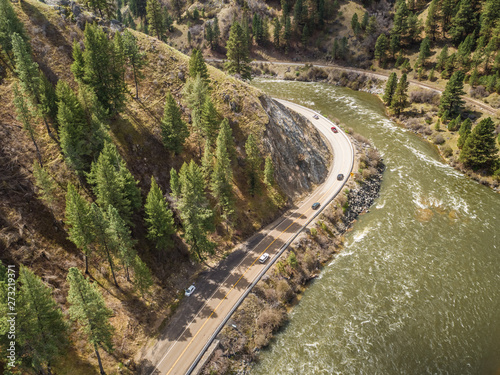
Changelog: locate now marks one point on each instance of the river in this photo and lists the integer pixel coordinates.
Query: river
(417, 288)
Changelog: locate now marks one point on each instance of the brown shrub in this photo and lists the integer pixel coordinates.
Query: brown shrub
(478, 92)
(424, 96)
(438, 139)
(284, 291)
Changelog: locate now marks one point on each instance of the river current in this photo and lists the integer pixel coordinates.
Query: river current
(417, 288)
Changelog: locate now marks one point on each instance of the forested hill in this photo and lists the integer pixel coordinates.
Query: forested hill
(126, 169)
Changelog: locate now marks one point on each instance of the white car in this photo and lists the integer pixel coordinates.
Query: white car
(264, 257)
(190, 290)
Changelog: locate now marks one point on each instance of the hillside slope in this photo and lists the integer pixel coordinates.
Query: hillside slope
(34, 234)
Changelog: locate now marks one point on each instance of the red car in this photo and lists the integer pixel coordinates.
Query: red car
(334, 129)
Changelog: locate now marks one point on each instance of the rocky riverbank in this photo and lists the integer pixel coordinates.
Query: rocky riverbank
(266, 308)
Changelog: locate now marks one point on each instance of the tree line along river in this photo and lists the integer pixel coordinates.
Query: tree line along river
(417, 288)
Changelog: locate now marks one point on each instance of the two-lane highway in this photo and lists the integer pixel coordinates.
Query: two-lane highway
(176, 355)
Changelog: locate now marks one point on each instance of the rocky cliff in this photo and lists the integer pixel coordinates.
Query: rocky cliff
(300, 156)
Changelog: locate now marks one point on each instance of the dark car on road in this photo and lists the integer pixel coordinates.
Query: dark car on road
(315, 206)
(340, 177)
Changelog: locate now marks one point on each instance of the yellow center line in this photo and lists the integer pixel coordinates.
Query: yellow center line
(244, 273)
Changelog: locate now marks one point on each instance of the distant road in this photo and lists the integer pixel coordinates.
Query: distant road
(201, 315)
(378, 75)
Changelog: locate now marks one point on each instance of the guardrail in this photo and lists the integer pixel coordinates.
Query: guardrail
(275, 258)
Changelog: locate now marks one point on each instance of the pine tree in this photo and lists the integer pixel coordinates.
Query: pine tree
(442, 58)
(490, 14)
(104, 67)
(120, 239)
(101, 235)
(437, 126)
(454, 124)
(155, 18)
(269, 172)
(80, 223)
(26, 116)
(381, 48)
(113, 184)
(474, 78)
(197, 66)
(414, 28)
(355, 24)
(26, 69)
(197, 217)
(173, 129)
(372, 27)
(254, 162)
(425, 51)
(228, 136)
(298, 11)
(142, 276)
(480, 150)
(364, 22)
(159, 219)
(221, 184)
(463, 23)
(400, 97)
(78, 66)
(431, 24)
(87, 307)
(390, 88)
(451, 98)
(48, 101)
(216, 31)
(207, 161)
(135, 58)
(210, 121)
(209, 34)
(287, 33)
(395, 44)
(465, 130)
(46, 185)
(43, 332)
(237, 53)
(276, 32)
(400, 25)
(175, 186)
(196, 92)
(10, 25)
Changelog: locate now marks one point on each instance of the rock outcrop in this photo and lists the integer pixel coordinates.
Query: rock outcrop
(300, 156)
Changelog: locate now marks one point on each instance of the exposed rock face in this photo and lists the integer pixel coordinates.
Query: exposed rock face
(300, 156)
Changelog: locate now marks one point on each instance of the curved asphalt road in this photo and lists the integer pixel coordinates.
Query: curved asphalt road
(175, 353)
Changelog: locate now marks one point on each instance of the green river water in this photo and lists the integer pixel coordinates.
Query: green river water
(417, 288)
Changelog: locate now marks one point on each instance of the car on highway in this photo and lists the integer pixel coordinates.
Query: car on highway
(316, 117)
(315, 206)
(190, 290)
(334, 129)
(340, 177)
(264, 257)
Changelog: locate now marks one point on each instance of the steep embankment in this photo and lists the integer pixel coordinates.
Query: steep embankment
(34, 234)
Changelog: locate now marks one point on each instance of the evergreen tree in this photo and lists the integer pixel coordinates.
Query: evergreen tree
(464, 21)
(78, 66)
(237, 53)
(442, 58)
(479, 149)
(177, 8)
(101, 235)
(26, 116)
(437, 126)
(390, 88)
(175, 186)
(134, 57)
(46, 185)
(104, 68)
(395, 44)
(400, 97)
(196, 93)
(113, 184)
(87, 307)
(465, 51)
(269, 172)
(197, 66)
(490, 14)
(228, 136)
(159, 219)
(142, 276)
(10, 25)
(197, 217)
(451, 98)
(465, 130)
(400, 24)
(287, 33)
(138, 8)
(474, 78)
(173, 129)
(155, 18)
(372, 27)
(216, 30)
(222, 178)
(209, 34)
(454, 124)
(48, 101)
(276, 32)
(355, 24)
(254, 162)
(364, 22)
(425, 51)
(381, 48)
(120, 239)
(414, 28)
(210, 121)
(447, 11)
(207, 161)
(298, 11)
(431, 24)
(80, 223)
(26, 69)
(43, 332)
(431, 75)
